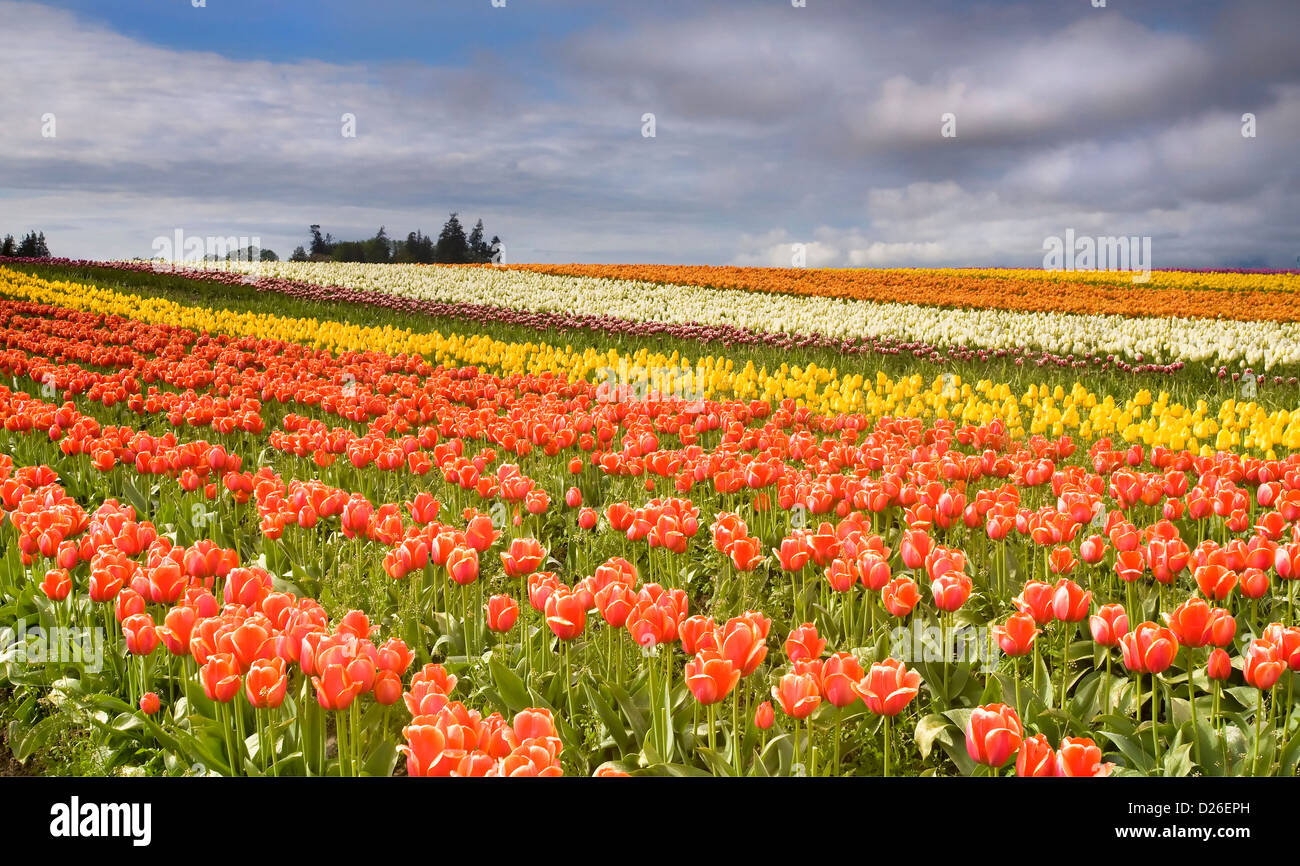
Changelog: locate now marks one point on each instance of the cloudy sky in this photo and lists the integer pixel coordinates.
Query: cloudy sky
(774, 125)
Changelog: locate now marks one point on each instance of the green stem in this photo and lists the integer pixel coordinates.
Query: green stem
(887, 733)
(341, 740)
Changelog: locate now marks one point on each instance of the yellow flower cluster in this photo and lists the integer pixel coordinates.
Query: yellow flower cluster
(1051, 411)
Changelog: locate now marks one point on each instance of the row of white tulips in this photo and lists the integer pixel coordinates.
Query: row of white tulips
(1153, 339)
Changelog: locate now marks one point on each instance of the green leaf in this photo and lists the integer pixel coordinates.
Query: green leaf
(1178, 761)
(666, 769)
(613, 724)
(513, 692)
(777, 756)
(665, 711)
(640, 725)
(1128, 747)
(717, 762)
(929, 729)
(382, 760)
(1211, 747)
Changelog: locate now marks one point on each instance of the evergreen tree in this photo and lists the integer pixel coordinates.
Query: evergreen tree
(9, 248)
(479, 250)
(452, 247)
(42, 251)
(299, 254)
(320, 246)
(379, 248)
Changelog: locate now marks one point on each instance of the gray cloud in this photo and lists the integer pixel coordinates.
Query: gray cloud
(775, 125)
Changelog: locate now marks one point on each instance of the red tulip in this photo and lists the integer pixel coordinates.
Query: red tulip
(804, 643)
(710, 677)
(1036, 758)
(502, 611)
(840, 675)
(1016, 636)
(950, 591)
(1254, 583)
(900, 596)
(266, 683)
(57, 584)
(798, 694)
(1218, 666)
(1109, 624)
(1070, 601)
(1038, 600)
(1149, 649)
(993, 734)
(1080, 756)
(1216, 582)
(387, 688)
(523, 557)
(1092, 549)
(220, 677)
(1130, 565)
(462, 565)
(743, 641)
(888, 687)
(1262, 668)
(141, 637)
(1061, 560)
(565, 614)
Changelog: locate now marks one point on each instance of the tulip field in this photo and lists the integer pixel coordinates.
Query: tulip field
(335, 519)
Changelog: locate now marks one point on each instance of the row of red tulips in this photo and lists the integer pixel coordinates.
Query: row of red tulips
(912, 508)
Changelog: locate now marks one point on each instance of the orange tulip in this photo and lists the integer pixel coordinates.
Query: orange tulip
(1190, 623)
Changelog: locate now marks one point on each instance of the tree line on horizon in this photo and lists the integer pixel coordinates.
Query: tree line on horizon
(32, 246)
(452, 246)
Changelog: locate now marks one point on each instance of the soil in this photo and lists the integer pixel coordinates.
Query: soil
(9, 765)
